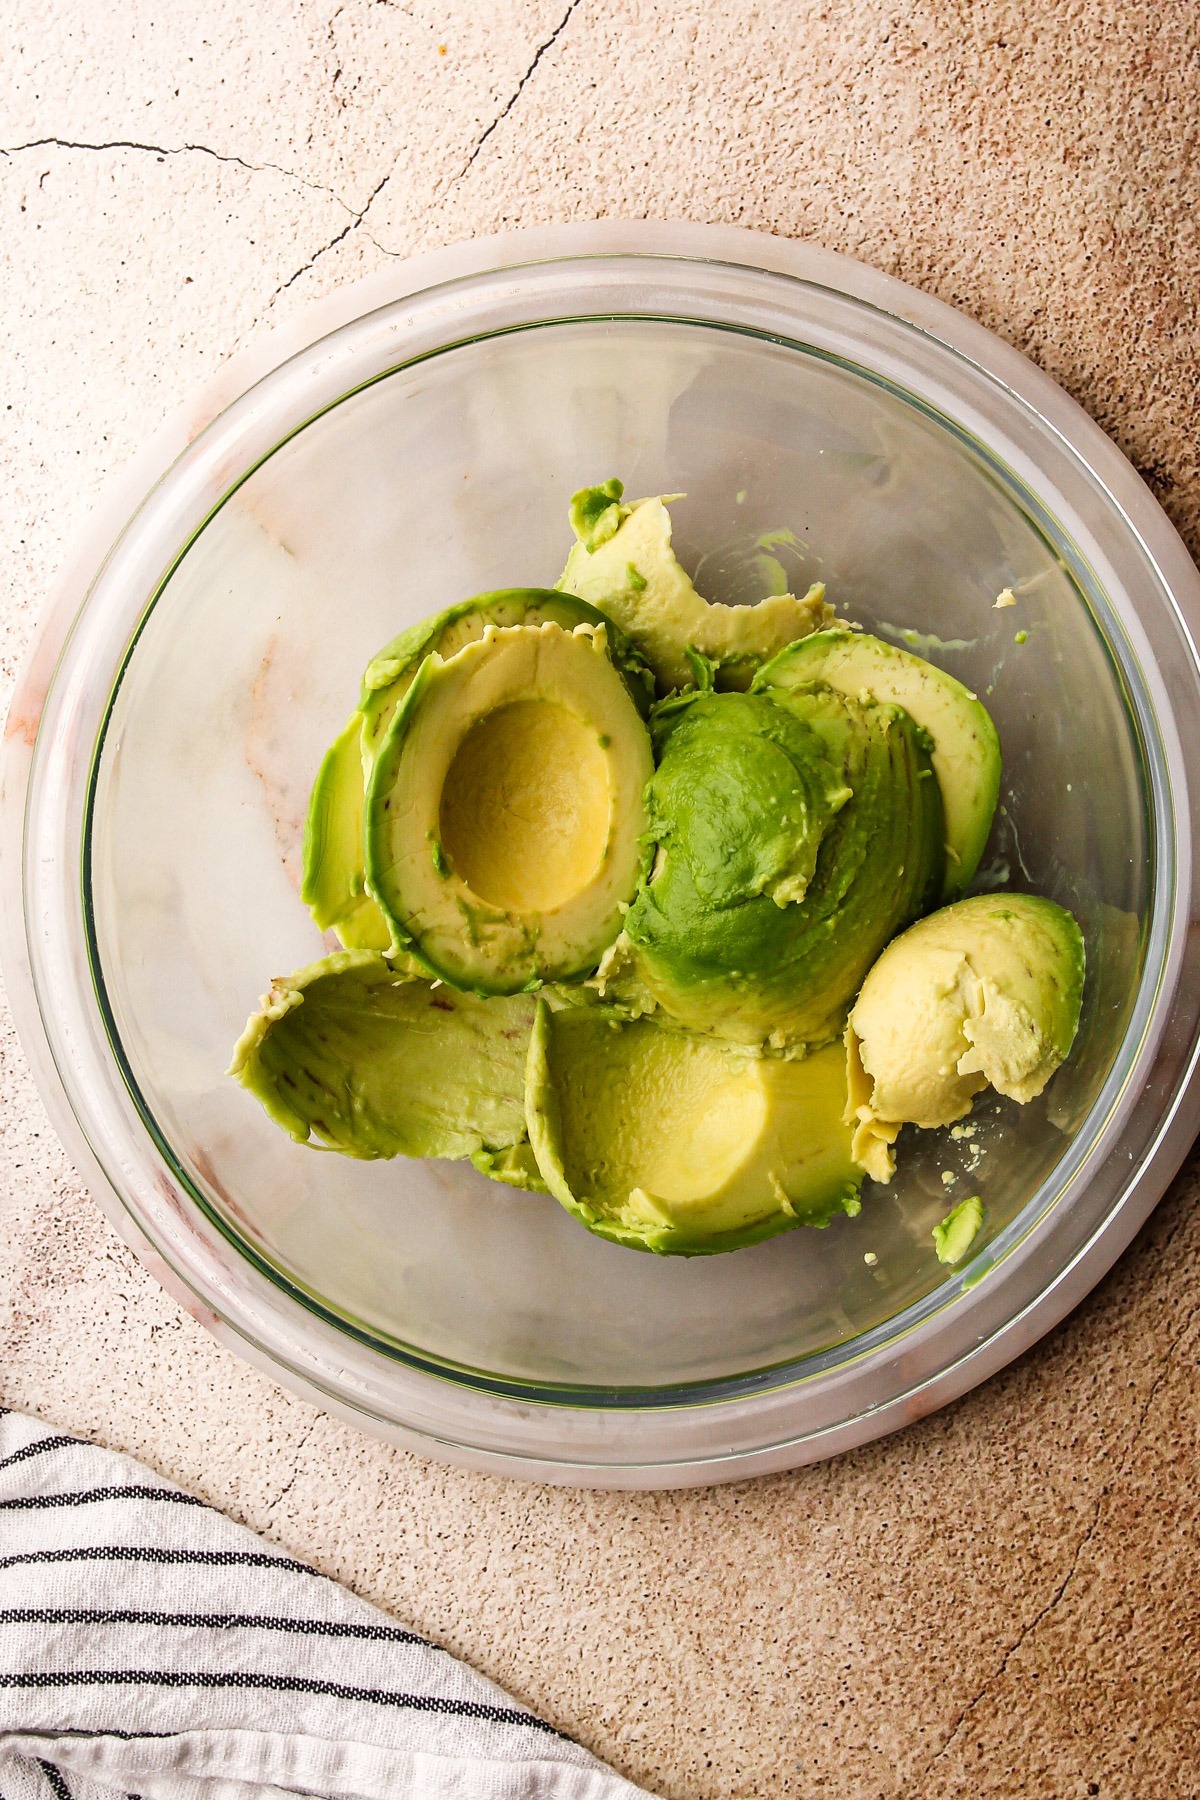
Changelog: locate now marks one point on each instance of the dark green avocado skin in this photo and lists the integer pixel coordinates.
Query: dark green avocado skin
(720, 957)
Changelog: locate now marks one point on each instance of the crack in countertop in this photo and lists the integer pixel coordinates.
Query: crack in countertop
(292, 1479)
(163, 150)
(518, 90)
(240, 162)
(356, 222)
(352, 225)
(1056, 1597)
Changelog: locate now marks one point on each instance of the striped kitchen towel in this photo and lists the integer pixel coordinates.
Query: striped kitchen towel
(151, 1648)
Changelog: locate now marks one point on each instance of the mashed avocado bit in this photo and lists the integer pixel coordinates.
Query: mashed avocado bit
(643, 901)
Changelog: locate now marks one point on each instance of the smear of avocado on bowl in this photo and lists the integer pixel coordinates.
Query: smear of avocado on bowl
(660, 906)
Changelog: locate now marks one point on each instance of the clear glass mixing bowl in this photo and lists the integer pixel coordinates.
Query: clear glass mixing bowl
(424, 451)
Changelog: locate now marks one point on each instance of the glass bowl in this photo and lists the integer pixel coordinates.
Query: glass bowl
(416, 442)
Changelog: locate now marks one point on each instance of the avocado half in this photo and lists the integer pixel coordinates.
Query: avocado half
(795, 832)
(664, 1141)
(623, 563)
(504, 819)
(965, 749)
(333, 884)
(356, 1054)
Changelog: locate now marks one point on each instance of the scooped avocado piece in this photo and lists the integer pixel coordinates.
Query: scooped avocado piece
(504, 816)
(966, 749)
(836, 791)
(985, 991)
(632, 574)
(958, 1230)
(334, 878)
(334, 883)
(663, 1141)
(352, 1053)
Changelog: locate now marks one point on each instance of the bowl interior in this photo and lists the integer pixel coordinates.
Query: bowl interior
(451, 476)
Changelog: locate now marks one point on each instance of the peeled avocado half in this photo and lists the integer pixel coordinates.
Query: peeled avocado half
(664, 1141)
(334, 873)
(985, 991)
(504, 819)
(623, 564)
(795, 832)
(964, 746)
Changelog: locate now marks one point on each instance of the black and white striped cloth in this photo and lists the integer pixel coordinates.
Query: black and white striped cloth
(151, 1648)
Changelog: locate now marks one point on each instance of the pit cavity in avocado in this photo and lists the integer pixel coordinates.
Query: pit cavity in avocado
(334, 869)
(504, 821)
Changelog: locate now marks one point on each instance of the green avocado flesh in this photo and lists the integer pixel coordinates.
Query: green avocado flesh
(958, 1230)
(388, 674)
(334, 882)
(854, 845)
(623, 563)
(353, 1054)
(965, 747)
(637, 893)
(664, 1141)
(504, 816)
(334, 872)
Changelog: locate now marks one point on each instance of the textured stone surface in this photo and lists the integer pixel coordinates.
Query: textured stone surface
(1004, 1598)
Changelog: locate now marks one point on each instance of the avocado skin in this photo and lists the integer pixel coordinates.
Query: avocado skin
(964, 745)
(354, 1053)
(739, 966)
(447, 632)
(333, 877)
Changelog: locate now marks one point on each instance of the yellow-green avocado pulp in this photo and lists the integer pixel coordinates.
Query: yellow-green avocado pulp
(334, 882)
(358, 1055)
(504, 817)
(661, 1140)
(618, 870)
(985, 992)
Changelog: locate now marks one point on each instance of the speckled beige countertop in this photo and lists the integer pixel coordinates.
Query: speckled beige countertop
(1004, 1599)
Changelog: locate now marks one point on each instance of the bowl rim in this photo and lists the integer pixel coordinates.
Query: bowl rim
(488, 1441)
